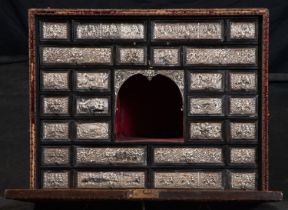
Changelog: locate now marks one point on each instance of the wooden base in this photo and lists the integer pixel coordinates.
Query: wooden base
(142, 194)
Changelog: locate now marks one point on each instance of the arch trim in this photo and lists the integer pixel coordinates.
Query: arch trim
(175, 75)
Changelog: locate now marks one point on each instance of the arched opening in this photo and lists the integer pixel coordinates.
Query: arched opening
(149, 110)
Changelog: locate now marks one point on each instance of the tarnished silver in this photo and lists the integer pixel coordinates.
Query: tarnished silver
(132, 55)
(223, 56)
(92, 105)
(166, 56)
(243, 106)
(52, 179)
(206, 81)
(54, 30)
(92, 80)
(243, 130)
(55, 156)
(55, 81)
(56, 105)
(196, 180)
(206, 130)
(175, 75)
(243, 81)
(192, 30)
(93, 130)
(113, 179)
(55, 131)
(187, 155)
(111, 156)
(243, 30)
(76, 55)
(243, 155)
(211, 106)
(243, 181)
(110, 31)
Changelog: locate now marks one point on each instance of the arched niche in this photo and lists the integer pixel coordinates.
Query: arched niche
(149, 107)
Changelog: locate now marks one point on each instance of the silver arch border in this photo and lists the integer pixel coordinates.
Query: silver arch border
(120, 76)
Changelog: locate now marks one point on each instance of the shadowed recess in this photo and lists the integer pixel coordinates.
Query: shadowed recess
(149, 110)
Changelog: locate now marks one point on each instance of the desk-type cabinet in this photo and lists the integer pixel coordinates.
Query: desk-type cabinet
(149, 104)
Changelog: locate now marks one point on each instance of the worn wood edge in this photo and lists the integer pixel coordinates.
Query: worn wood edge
(147, 12)
(32, 101)
(142, 194)
(265, 103)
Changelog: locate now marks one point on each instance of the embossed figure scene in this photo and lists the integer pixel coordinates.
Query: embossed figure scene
(148, 103)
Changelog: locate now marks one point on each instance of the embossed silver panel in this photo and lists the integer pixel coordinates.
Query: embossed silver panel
(55, 179)
(55, 156)
(52, 30)
(110, 31)
(201, 106)
(92, 80)
(243, 155)
(223, 56)
(74, 55)
(243, 30)
(243, 181)
(166, 56)
(122, 75)
(132, 55)
(55, 81)
(188, 155)
(243, 106)
(117, 179)
(56, 105)
(206, 81)
(243, 81)
(111, 156)
(92, 105)
(196, 180)
(97, 130)
(193, 30)
(243, 130)
(206, 130)
(55, 131)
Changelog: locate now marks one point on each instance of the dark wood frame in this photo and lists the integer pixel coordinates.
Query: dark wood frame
(149, 194)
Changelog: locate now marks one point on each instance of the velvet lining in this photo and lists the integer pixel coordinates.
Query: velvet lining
(149, 110)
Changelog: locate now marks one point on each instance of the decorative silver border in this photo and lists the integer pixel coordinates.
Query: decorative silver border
(175, 75)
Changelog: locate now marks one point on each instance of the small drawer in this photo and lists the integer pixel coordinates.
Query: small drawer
(243, 155)
(206, 106)
(110, 179)
(55, 31)
(55, 156)
(93, 105)
(243, 180)
(192, 180)
(92, 80)
(165, 56)
(55, 179)
(92, 130)
(110, 156)
(243, 130)
(185, 155)
(206, 130)
(55, 130)
(243, 106)
(132, 56)
(55, 105)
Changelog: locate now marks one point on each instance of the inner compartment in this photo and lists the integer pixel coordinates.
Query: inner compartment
(149, 110)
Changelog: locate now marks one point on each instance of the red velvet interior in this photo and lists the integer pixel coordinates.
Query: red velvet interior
(149, 110)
